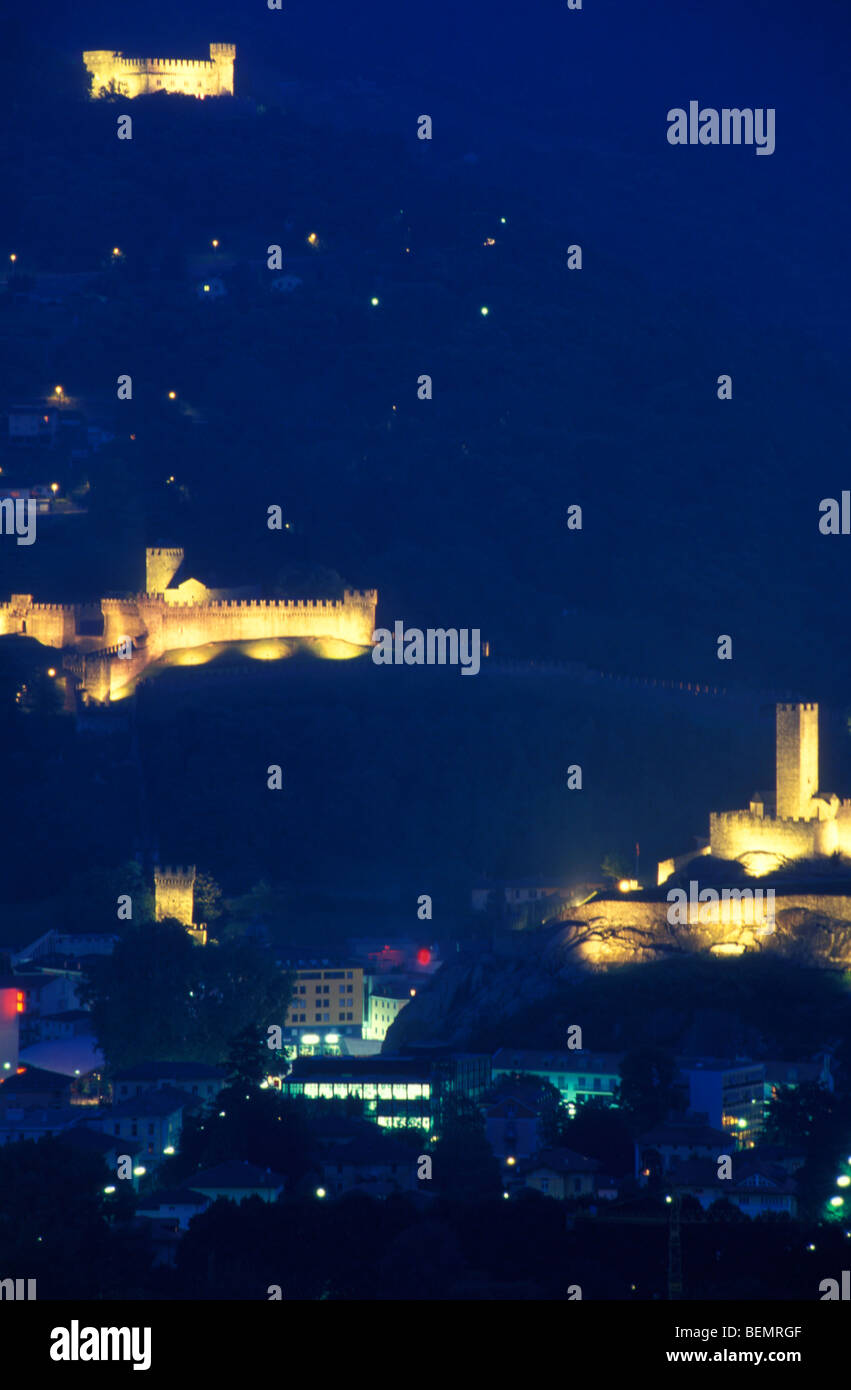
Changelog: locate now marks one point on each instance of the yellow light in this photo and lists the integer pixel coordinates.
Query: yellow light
(206, 289)
(624, 885)
(54, 487)
(484, 311)
(489, 241)
(139, 1172)
(214, 242)
(57, 390)
(116, 251)
(313, 238)
(502, 220)
(172, 395)
(51, 671)
(13, 257)
(511, 1162)
(373, 301)
(844, 1181)
(320, 1191)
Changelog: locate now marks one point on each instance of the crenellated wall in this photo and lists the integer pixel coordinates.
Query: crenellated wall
(736, 833)
(156, 625)
(132, 77)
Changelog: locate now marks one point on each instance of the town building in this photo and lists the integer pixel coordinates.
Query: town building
(578, 1075)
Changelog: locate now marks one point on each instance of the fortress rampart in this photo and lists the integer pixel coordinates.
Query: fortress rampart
(132, 77)
(734, 833)
(615, 931)
(155, 625)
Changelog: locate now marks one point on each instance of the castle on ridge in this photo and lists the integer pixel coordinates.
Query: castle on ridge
(106, 644)
(132, 77)
(797, 821)
(174, 896)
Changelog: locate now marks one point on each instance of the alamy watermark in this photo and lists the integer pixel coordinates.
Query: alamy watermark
(729, 126)
(437, 646)
(17, 518)
(706, 907)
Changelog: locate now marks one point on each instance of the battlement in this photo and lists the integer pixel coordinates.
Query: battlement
(790, 709)
(198, 77)
(175, 874)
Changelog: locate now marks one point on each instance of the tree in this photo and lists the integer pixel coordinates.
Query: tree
(615, 867)
(208, 898)
(465, 1167)
(601, 1131)
(647, 1091)
(161, 997)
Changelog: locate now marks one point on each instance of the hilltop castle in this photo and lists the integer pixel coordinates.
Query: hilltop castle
(131, 77)
(797, 821)
(109, 642)
(174, 896)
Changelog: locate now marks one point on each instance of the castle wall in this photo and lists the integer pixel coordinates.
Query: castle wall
(121, 618)
(350, 620)
(796, 760)
(644, 933)
(133, 77)
(733, 834)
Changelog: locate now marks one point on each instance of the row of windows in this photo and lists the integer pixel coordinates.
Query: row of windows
(324, 1018)
(324, 989)
(367, 1090)
(324, 975)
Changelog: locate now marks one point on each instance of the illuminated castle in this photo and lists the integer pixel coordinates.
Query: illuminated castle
(797, 822)
(108, 643)
(131, 77)
(174, 896)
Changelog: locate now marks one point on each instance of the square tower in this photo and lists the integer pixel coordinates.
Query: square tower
(797, 761)
(174, 892)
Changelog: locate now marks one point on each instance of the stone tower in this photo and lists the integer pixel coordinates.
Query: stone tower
(223, 56)
(797, 761)
(160, 568)
(174, 891)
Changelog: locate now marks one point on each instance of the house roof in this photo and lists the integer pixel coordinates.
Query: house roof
(236, 1175)
(165, 1100)
(747, 1177)
(68, 1056)
(164, 1071)
(174, 1197)
(92, 1141)
(560, 1161)
(692, 1135)
(584, 1063)
(33, 1079)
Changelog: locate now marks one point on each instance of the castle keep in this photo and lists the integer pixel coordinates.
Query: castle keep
(131, 77)
(109, 643)
(797, 822)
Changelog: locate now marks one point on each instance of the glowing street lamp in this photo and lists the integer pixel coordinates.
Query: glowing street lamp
(312, 239)
(54, 488)
(172, 395)
(57, 391)
(484, 311)
(374, 302)
(13, 258)
(214, 243)
(320, 1192)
